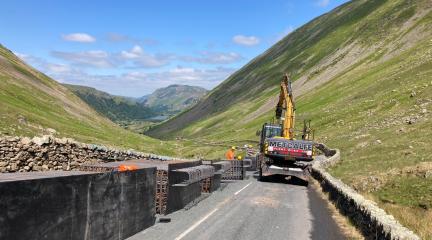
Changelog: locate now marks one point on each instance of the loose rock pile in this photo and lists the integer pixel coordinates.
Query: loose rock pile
(47, 153)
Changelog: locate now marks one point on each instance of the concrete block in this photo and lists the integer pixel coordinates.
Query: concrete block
(87, 206)
(216, 181)
(182, 194)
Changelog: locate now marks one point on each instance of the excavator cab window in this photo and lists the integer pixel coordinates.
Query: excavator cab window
(271, 130)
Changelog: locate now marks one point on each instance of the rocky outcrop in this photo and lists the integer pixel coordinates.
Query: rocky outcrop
(47, 153)
(373, 221)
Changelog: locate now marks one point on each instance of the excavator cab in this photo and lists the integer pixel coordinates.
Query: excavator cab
(270, 131)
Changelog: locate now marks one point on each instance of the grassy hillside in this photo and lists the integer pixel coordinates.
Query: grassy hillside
(174, 98)
(116, 108)
(363, 74)
(31, 104)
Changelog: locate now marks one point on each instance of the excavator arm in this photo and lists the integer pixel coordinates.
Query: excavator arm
(285, 108)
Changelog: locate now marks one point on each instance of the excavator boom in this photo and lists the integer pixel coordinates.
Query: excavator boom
(285, 108)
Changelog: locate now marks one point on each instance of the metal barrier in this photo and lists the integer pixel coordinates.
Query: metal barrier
(235, 172)
(161, 191)
(206, 185)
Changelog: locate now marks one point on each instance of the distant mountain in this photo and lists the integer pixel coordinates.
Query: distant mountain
(116, 108)
(143, 98)
(173, 99)
(161, 104)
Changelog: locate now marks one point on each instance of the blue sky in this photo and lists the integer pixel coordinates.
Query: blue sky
(130, 48)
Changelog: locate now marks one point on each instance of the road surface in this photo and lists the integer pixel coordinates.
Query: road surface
(250, 209)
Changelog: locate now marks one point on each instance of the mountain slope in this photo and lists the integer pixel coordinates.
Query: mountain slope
(363, 74)
(32, 103)
(313, 54)
(174, 98)
(116, 108)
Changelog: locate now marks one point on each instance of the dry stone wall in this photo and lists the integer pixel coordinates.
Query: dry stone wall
(22, 154)
(373, 221)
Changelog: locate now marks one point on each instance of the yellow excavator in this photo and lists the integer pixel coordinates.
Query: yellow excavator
(280, 152)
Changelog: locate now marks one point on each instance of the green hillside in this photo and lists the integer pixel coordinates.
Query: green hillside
(116, 108)
(31, 104)
(173, 99)
(363, 74)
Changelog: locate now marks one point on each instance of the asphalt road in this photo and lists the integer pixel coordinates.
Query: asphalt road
(250, 209)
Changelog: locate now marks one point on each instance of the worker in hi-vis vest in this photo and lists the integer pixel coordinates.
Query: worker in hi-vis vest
(229, 155)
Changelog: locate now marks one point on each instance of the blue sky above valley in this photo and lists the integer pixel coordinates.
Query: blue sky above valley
(131, 48)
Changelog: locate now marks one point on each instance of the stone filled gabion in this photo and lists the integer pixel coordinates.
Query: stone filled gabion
(373, 221)
(23, 154)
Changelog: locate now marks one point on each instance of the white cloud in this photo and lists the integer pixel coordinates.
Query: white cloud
(153, 61)
(26, 58)
(246, 40)
(322, 3)
(145, 60)
(58, 68)
(135, 52)
(142, 59)
(137, 57)
(117, 37)
(138, 83)
(79, 37)
(207, 78)
(94, 58)
(45, 66)
(131, 83)
(214, 58)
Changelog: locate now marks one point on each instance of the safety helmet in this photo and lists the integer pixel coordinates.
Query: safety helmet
(233, 147)
(239, 157)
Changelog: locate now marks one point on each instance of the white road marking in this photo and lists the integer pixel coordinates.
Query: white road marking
(242, 189)
(196, 224)
(191, 228)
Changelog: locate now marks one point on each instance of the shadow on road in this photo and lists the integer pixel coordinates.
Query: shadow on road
(281, 179)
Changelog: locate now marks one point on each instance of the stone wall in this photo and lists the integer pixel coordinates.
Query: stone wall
(47, 153)
(371, 220)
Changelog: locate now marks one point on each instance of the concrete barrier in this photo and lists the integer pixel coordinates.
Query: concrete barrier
(372, 221)
(168, 174)
(181, 194)
(76, 205)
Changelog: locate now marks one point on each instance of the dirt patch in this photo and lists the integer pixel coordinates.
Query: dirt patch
(409, 35)
(375, 182)
(270, 104)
